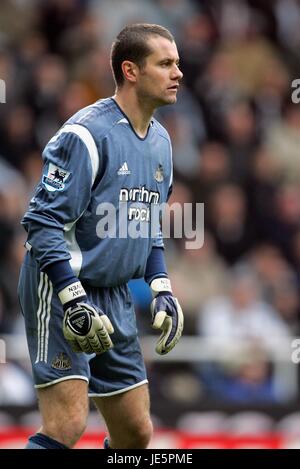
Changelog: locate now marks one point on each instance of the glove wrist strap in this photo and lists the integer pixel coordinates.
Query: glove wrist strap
(72, 292)
(159, 285)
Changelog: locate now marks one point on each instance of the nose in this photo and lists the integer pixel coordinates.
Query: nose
(177, 74)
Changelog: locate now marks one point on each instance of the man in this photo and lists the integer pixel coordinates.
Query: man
(79, 315)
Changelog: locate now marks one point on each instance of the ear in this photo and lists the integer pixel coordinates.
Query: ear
(129, 70)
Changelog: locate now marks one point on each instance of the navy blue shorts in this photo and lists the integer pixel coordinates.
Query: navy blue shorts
(115, 371)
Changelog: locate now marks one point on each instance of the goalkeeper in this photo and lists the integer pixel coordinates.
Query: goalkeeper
(79, 316)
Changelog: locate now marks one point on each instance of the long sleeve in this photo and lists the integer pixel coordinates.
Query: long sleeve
(62, 195)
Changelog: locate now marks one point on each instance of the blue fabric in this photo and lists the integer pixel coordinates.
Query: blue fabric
(40, 441)
(33, 445)
(67, 214)
(106, 443)
(140, 293)
(156, 265)
(60, 274)
(51, 355)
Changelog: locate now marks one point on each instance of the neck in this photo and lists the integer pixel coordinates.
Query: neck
(138, 112)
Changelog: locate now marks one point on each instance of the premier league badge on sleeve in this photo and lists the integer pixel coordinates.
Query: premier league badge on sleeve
(159, 173)
(55, 178)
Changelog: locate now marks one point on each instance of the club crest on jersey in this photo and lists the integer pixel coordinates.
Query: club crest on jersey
(55, 178)
(159, 173)
(61, 362)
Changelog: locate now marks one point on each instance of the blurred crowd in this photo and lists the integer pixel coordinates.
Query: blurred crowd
(236, 146)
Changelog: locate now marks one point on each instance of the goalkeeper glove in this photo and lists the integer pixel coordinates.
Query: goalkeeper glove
(85, 326)
(166, 315)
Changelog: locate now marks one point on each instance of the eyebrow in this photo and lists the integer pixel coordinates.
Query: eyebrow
(169, 59)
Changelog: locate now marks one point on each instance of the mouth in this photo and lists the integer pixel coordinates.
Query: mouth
(173, 88)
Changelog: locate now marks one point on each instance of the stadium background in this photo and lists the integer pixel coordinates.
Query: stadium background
(236, 139)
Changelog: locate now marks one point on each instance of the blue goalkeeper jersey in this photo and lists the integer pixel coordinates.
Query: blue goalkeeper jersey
(93, 205)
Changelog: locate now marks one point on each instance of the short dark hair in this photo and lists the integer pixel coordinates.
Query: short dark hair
(132, 44)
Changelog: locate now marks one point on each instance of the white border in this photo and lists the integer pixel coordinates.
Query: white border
(120, 391)
(84, 378)
(86, 137)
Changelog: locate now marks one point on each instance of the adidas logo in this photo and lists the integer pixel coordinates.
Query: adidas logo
(123, 171)
(79, 322)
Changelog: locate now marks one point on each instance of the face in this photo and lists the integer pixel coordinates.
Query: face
(157, 82)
